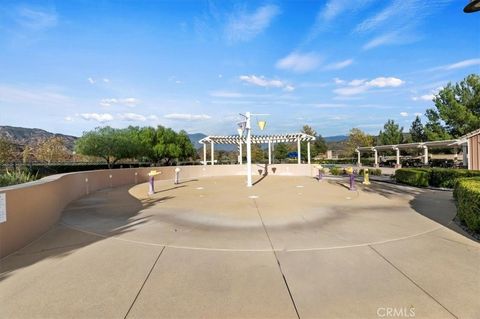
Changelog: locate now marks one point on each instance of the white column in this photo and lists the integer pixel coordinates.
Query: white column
(425, 154)
(204, 153)
(465, 155)
(375, 152)
(212, 150)
(308, 152)
(240, 157)
(359, 162)
(398, 157)
(299, 148)
(249, 150)
(469, 151)
(269, 152)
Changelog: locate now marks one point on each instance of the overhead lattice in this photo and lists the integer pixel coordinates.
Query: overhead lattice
(257, 139)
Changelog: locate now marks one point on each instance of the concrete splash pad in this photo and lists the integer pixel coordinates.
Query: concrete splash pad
(222, 214)
(290, 247)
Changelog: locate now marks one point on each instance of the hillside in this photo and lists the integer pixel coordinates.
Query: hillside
(22, 136)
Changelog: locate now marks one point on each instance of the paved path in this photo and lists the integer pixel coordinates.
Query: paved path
(290, 247)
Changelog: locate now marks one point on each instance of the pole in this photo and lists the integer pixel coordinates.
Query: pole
(376, 157)
(240, 158)
(212, 155)
(359, 161)
(299, 156)
(425, 155)
(308, 152)
(204, 154)
(249, 150)
(269, 152)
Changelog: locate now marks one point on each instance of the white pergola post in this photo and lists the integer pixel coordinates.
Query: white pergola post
(249, 149)
(397, 165)
(308, 152)
(425, 154)
(469, 148)
(359, 161)
(204, 153)
(298, 151)
(240, 156)
(465, 154)
(375, 152)
(212, 155)
(269, 152)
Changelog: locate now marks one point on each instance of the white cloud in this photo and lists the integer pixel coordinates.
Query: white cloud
(426, 97)
(68, 119)
(385, 82)
(460, 64)
(404, 114)
(131, 102)
(36, 19)
(398, 21)
(299, 62)
(106, 80)
(338, 81)
(91, 80)
(362, 85)
(264, 82)
(357, 82)
(339, 65)
(244, 26)
(187, 117)
(98, 117)
(132, 117)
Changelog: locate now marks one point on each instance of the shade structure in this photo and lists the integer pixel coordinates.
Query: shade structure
(257, 139)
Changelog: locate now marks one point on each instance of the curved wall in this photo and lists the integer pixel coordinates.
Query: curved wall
(33, 208)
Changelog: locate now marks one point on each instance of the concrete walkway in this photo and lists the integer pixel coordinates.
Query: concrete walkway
(290, 247)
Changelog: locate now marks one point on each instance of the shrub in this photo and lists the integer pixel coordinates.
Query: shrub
(16, 177)
(336, 170)
(414, 177)
(467, 197)
(447, 177)
(371, 171)
(437, 177)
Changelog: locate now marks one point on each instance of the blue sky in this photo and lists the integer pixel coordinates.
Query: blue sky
(69, 66)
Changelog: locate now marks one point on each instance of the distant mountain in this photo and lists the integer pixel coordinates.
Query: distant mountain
(22, 136)
(336, 138)
(194, 138)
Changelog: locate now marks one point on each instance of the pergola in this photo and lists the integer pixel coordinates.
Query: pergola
(461, 142)
(255, 139)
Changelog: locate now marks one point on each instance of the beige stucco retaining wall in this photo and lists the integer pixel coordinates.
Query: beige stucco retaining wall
(33, 208)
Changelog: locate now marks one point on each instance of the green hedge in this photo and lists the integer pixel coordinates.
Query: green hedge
(412, 177)
(436, 177)
(371, 171)
(467, 197)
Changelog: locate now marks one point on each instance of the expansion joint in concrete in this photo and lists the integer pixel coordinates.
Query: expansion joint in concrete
(278, 261)
(144, 282)
(412, 281)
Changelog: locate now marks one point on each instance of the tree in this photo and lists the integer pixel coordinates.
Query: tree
(358, 138)
(417, 131)
(186, 147)
(457, 109)
(318, 146)
(281, 151)
(109, 143)
(7, 152)
(51, 150)
(392, 134)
